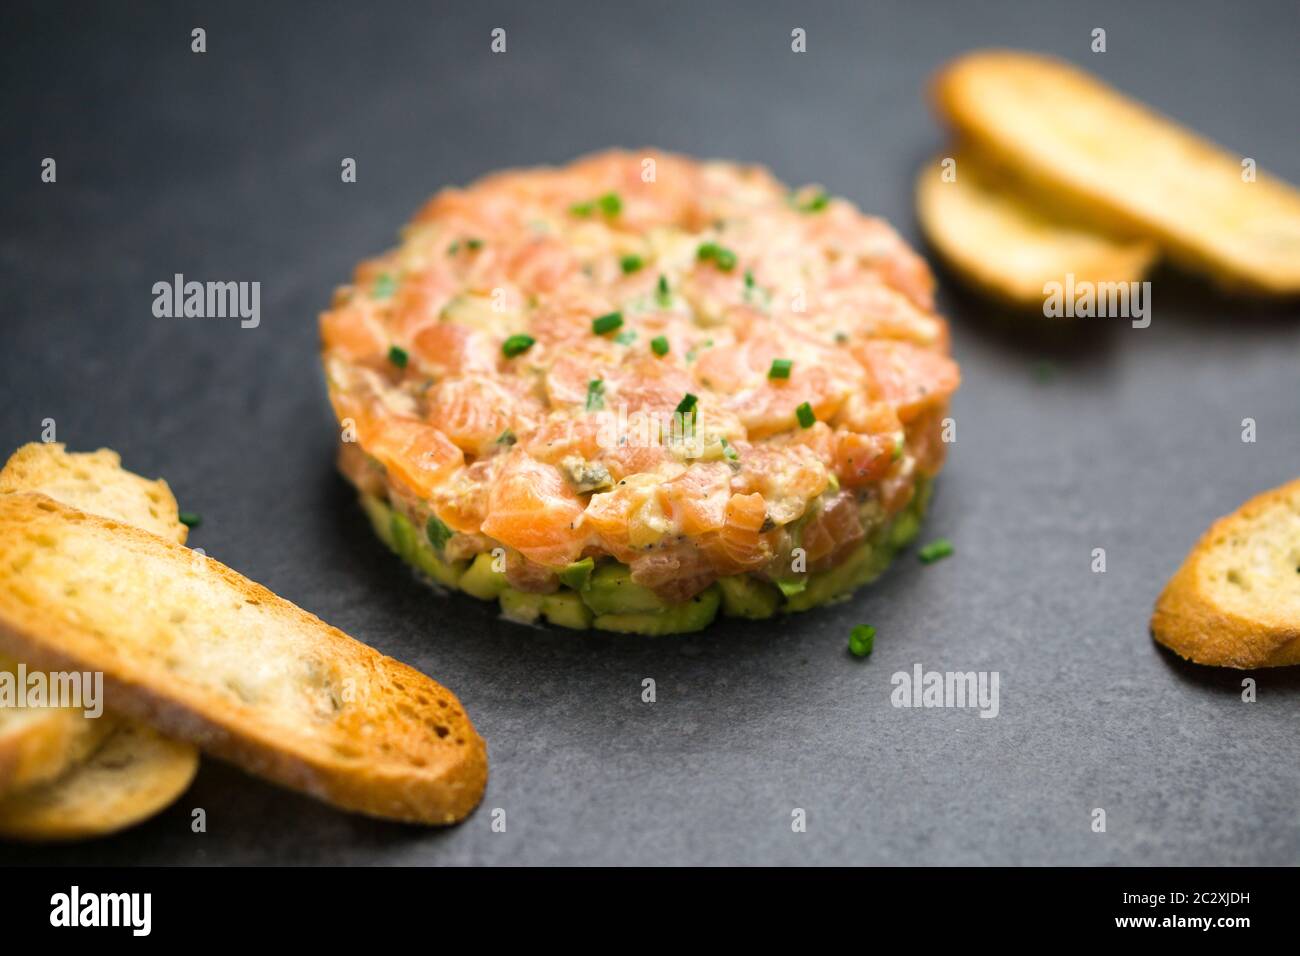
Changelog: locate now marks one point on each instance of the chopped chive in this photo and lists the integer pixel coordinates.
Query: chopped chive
(626, 337)
(663, 296)
(780, 368)
(453, 248)
(507, 437)
(439, 534)
(729, 451)
(898, 446)
(659, 345)
(841, 338)
(816, 203)
(606, 323)
(749, 279)
(397, 355)
(687, 404)
(861, 640)
(191, 519)
(384, 288)
(595, 395)
(609, 204)
(630, 264)
(517, 345)
(791, 588)
(721, 256)
(935, 551)
(806, 416)
(473, 245)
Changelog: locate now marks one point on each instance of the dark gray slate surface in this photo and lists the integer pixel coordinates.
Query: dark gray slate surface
(226, 166)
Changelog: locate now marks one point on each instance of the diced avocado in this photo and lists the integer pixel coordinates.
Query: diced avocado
(414, 549)
(867, 562)
(380, 516)
(792, 586)
(480, 580)
(611, 590)
(743, 596)
(577, 574)
(521, 605)
(563, 609)
(692, 615)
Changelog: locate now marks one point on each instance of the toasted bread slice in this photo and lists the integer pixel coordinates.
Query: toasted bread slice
(1079, 139)
(135, 773)
(1007, 246)
(38, 744)
(1235, 602)
(208, 656)
(94, 482)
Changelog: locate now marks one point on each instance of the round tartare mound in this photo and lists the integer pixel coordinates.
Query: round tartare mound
(632, 391)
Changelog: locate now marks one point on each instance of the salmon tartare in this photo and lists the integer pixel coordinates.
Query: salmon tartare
(640, 389)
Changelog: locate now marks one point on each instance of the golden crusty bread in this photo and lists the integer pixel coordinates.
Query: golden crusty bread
(135, 773)
(1076, 138)
(38, 744)
(1235, 602)
(1009, 247)
(208, 656)
(94, 482)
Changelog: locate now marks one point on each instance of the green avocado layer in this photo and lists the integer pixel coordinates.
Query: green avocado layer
(602, 594)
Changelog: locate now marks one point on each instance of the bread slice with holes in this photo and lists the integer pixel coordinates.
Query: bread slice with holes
(134, 774)
(206, 655)
(1235, 602)
(94, 482)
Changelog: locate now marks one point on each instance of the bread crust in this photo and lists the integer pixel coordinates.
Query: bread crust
(1191, 615)
(1007, 245)
(1069, 134)
(405, 750)
(135, 773)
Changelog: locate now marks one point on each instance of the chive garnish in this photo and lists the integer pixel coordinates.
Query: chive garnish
(595, 395)
(663, 296)
(507, 437)
(935, 551)
(729, 451)
(191, 519)
(517, 345)
(606, 323)
(397, 355)
(439, 534)
(630, 264)
(806, 416)
(816, 203)
(626, 337)
(687, 404)
(780, 368)
(453, 248)
(473, 245)
(659, 345)
(861, 640)
(721, 256)
(384, 288)
(609, 204)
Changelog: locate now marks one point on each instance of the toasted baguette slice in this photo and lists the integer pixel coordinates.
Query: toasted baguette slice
(1235, 602)
(208, 656)
(134, 774)
(998, 241)
(38, 744)
(1085, 142)
(95, 482)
